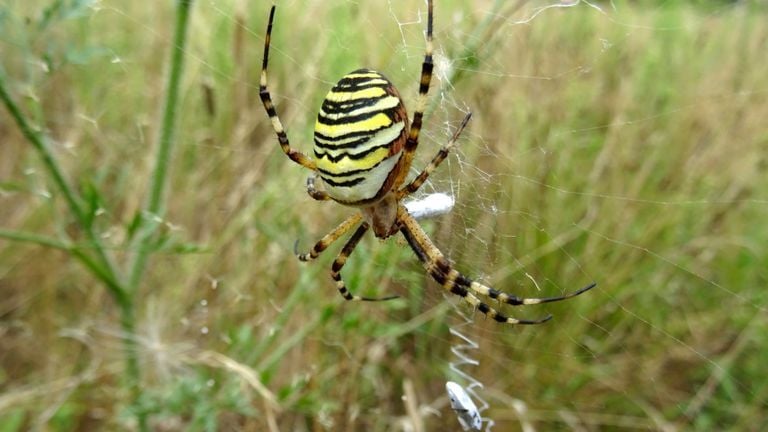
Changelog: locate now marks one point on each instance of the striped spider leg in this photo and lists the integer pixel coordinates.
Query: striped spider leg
(416, 183)
(266, 99)
(341, 258)
(440, 269)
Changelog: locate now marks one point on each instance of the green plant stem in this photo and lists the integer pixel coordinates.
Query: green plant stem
(116, 289)
(159, 181)
(102, 266)
(108, 271)
(41, 145)
(154, 209)
(27, 237)
(132, 376)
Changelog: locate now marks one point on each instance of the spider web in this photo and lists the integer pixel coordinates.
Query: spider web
(696, 301)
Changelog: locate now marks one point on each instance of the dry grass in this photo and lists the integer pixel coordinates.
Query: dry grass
(627, 148)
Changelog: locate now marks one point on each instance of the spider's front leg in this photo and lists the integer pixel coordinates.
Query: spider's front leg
(266, 99)
(412, 142)
(414, 185)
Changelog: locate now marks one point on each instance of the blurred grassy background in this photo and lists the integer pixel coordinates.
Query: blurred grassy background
(626, 147)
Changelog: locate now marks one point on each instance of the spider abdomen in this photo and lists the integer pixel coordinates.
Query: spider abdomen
(359, 136)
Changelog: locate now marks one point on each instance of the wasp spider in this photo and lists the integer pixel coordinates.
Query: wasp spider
(363, 151)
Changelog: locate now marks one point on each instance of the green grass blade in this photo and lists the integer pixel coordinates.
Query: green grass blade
(155, 206)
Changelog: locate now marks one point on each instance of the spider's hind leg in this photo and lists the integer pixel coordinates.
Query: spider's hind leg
(443, 273)
(514, 300)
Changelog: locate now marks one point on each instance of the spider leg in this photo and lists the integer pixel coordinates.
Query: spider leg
(436, 161)
(314, 192)
(442, 272)
(341, 259)
(295, 155)
(426, 77)
(517, 301)
(328, 239)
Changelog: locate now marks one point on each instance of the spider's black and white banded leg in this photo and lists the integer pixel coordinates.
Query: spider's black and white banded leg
(442, 272)
(414, 185)
(412, 142)
(295, 155)
(341, 259)
(328, 239)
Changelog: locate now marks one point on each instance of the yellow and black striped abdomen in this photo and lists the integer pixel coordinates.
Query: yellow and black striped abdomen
(359, 136)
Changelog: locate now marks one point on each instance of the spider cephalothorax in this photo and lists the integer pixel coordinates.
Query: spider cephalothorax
(364, 146)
